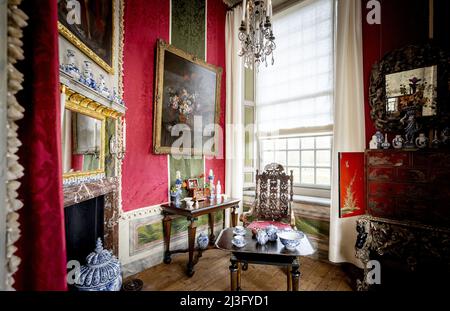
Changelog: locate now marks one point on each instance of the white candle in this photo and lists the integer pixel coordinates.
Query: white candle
(268, 8)
(244, 10)
(178, 174)
(211, 172)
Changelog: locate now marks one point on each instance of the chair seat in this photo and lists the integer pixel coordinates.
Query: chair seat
(261, 224)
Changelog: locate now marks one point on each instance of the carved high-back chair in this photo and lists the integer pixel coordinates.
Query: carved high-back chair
(273, 200)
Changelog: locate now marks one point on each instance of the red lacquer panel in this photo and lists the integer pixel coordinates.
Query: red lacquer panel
(351, 184)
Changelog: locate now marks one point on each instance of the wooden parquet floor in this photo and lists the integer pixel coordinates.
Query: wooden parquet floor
(212, 273)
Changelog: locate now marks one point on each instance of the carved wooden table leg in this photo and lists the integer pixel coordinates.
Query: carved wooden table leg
(191, 236)
(167, 225)
(212, 237)
(239, 276)
(289, 279)
(234, 216)
(295, 273)
(234, 268)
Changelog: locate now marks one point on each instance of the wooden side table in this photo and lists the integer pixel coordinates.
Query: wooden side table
(206, 207)
(273, 253)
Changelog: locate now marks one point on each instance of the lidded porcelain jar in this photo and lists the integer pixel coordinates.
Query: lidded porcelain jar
(102, 271)
(262, 237)
(202, 241)
(272, 231)
(422, 141)
(398, 142)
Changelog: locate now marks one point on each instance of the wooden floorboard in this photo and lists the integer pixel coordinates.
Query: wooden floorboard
(212, 273)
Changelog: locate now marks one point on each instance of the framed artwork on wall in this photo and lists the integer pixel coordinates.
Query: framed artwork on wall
(187, 103)
(89, 25)
(352, 200)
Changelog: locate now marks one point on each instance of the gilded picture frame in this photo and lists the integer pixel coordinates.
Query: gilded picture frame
(73, 33)
(184, 78)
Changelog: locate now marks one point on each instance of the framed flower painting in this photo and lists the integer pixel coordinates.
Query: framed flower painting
(187, 103)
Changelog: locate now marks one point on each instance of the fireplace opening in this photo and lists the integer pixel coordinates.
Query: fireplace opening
(84, 223)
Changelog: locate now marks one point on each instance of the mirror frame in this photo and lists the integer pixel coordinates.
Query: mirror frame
(77, 106)
(404, 59)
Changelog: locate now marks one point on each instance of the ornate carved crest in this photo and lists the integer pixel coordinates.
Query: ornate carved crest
(274, 193)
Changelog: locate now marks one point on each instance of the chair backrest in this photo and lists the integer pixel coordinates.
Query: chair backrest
(274, 192)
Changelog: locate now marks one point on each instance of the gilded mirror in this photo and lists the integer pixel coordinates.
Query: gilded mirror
(83, 142)
(414, 76)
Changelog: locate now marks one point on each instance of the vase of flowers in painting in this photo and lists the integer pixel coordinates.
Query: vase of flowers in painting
(182, 102)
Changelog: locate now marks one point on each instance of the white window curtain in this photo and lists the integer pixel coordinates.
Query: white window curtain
(234, 171)
(349, 126)
(297, 91)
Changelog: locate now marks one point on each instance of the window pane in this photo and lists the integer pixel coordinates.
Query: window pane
(248, 177)
(293, 143)
(307, 176)
(308, 143)
(307, 158)
(323, 142)
(294, 158)
(280, 157)
(296, 172)
(267, 145)
(280, 144)
(267, 157)
(323, 176)
(323, 158)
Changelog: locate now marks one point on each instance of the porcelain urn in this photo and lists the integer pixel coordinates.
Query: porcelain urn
(102, 271)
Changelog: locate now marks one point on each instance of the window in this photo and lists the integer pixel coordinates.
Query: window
(309, 157)
(294, 97)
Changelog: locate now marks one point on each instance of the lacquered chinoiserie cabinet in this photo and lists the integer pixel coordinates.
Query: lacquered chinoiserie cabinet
(409, 185)
(407, 225)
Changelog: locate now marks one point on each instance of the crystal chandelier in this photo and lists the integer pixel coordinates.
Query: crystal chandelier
(255, 33)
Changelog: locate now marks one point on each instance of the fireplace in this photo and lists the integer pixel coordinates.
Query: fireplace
(91, 211)
(84, 225)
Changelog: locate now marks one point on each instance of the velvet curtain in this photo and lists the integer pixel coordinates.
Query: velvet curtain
(42, 243)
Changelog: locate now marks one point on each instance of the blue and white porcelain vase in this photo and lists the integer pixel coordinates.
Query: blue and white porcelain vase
(70, 66)
(422, 141)
(102, 271)
(262, 237)
(272, 233)
(398, 142)
(88, 76)
(202, 240)
(101, 86)
(212, 194)
(385, 145)
(380, 139)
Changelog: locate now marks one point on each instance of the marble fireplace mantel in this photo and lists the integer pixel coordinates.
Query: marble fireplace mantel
(109, 188)
(85, 191)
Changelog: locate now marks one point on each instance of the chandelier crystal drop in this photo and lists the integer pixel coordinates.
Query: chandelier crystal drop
(255, 33)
